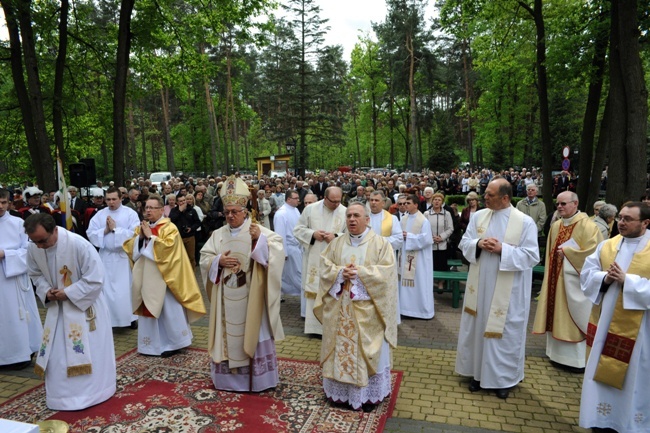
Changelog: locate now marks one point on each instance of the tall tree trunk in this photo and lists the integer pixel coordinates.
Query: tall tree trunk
(169, 146)
(19, 84)
(413, 109)
(133, 155)
(144, 141)
(602, 149)
(590, 121)
(57, 110)
(18, 15)
(468, 101)
(119, 89)
(630, 107)
(542, 93)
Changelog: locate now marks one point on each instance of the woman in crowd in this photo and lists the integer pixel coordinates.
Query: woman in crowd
(171, 204)
(471, 206)
(442, 226)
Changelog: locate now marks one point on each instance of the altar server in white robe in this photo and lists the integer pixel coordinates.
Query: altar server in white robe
(76, 357)
(165, 293)
(241, 266)
(284, 222)
(108, 230)
(356, 304)
(386, 225)
(18, 311)
(317, 226)
(416, 263)
(501, 246)
(616, 278)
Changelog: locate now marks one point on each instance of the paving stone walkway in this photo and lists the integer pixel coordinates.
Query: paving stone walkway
(432, 398)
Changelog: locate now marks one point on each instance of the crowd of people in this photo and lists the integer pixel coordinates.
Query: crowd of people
(359, 249)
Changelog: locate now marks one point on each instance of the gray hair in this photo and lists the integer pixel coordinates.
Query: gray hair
(599, 204)
(607, 211)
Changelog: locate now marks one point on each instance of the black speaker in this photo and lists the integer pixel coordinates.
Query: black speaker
(90, 169)
(79, 175)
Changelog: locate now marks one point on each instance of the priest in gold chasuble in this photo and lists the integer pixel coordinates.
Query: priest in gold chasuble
(616, 278)
(165, 293)
(241, 266)
(356, 304)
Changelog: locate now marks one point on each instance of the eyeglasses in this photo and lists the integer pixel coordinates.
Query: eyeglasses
(152, 207)
(564, 203)
(401, 204)
(42, 241)
(332, 201)
(232, 212)
(625, 219)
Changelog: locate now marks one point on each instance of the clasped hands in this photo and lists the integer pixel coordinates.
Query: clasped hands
(350, 272)
(492, 245)
(56, 295)
(225, 261)
(614, 273)
(322, 235)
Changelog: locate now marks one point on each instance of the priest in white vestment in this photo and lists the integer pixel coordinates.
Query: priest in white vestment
(386, 225)
(241, 266)
(108, 230)
(77, 356)
(562, 308)
(416, 263)
(18, 311)
(356, 304)
(501, 246)
(319, 224)
(284, 222)
(616, 278)
(165, 293)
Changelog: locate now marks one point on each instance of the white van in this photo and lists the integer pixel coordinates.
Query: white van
(160, 176)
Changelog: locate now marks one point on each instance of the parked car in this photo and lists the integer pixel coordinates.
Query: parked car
(160, 176)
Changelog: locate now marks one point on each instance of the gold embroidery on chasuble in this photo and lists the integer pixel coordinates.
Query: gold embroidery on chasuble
(557, 264)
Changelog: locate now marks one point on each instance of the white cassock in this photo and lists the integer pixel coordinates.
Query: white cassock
(117, 279)
(284, 221)
(171, 330)
(314, 217)
(497, 362)
(18, 310)
(417, 301)
(396, 241)
(626, 410)
(65, 392)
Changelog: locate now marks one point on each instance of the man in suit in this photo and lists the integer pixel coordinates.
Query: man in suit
(76, 203)
(319, 188)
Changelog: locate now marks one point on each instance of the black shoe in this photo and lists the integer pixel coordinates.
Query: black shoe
(474, 386)
(503, 393)
(368, 407)
(134, 325)
(170, 353)
(17, 366)
(568, 368)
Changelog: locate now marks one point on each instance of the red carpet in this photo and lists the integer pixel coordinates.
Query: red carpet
(175, 395)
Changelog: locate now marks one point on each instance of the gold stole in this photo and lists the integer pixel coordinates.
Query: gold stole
(408, 268)
(503, 287)
(387, 224)
(555, 271)
(624, 327)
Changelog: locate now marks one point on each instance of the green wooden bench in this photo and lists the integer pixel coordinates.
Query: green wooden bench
(538, 272)
(453, 278)
(454, 263)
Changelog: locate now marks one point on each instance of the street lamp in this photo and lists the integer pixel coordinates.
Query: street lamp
(291, 148)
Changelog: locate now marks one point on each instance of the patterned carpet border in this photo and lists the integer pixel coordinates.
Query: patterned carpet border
(176, 395)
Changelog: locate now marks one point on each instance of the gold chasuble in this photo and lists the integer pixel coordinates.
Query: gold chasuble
(172, 269)
(354, 330)
(625, 324)
(557, 313)
(240, 295)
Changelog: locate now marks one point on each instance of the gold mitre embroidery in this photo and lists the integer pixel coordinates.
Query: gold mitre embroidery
(234, 192)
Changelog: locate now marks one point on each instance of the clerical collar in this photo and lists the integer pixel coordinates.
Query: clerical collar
(568, 220)
(361, 236)
(152, 225)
